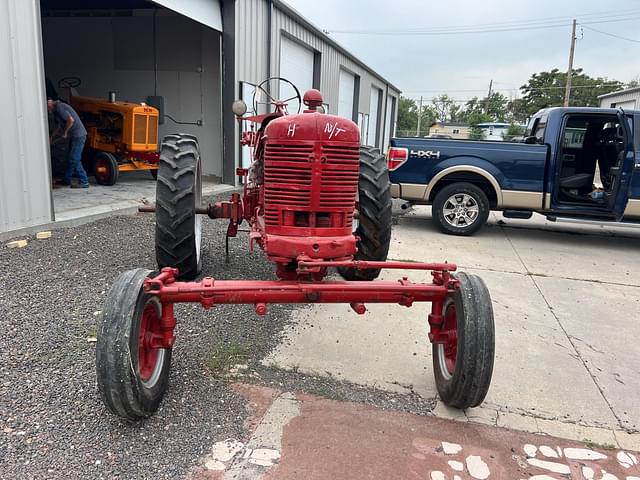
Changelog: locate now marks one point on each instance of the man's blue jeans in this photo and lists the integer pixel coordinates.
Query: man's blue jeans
(74, 163)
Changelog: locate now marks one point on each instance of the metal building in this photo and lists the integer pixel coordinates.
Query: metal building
(627, 99)
(200, 55)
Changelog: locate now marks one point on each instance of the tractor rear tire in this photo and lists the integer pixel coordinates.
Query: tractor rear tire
(374, 207)
(463, 365)
(178, 194)
(132, 376)
(105, 168)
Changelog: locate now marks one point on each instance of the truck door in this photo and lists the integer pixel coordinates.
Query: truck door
(621, 172)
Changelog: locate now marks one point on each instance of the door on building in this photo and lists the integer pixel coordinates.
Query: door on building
(346, 93)
(389, 124)
(372, 137)
(296, 64)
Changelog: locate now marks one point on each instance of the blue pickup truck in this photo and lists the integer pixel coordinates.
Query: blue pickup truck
(579, 163)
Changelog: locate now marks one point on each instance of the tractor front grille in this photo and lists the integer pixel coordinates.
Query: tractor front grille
(310, 186)
(139, 128)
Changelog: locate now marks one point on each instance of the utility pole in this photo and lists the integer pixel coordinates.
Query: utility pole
(486, 108)
(567, 91)
(419, 117)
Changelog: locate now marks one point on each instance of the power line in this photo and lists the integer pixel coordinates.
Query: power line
(492, 28)
(611, 34)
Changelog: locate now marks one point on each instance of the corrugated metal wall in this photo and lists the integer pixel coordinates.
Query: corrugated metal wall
(622, 97)
(254, 47)
(25, 185)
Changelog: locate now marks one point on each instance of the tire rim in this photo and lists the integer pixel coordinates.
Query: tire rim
(101, 170)
(460, 210)
(448, 351)
(150, 359)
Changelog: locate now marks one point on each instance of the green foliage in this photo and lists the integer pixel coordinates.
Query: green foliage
(546, 89)
(474, 119)
(408, 117)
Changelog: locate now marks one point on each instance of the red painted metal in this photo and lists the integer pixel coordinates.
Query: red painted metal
(150, 338)
(150, 157)
(210, 292)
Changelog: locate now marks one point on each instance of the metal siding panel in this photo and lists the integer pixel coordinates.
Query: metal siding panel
(25, 193)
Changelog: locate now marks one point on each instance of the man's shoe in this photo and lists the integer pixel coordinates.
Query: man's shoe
(79, 185)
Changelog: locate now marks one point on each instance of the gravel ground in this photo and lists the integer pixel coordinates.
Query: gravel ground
(53, 422)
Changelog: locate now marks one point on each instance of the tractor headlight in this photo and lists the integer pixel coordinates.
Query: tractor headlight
(239, 108)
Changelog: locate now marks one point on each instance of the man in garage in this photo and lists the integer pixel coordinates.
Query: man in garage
(68, 122)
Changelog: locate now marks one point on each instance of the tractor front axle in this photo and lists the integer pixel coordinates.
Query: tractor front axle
(209, 292)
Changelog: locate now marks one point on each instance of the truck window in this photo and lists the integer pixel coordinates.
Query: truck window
(539, 131)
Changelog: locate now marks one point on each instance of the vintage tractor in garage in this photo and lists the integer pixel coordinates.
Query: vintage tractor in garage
(121, 137)
(313, 199)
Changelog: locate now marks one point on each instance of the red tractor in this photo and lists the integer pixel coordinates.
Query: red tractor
(314, 199)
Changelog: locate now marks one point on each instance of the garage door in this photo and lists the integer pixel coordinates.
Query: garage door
(296, 64)
(373, 117)
(628, 105)
(206, 12)
(346, 90)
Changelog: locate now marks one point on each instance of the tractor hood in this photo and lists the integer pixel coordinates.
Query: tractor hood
(313, 126)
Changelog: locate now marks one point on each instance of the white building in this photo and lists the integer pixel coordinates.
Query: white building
(628, 99)
(199, 55)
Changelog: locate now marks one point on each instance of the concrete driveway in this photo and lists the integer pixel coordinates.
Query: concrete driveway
(567, 308)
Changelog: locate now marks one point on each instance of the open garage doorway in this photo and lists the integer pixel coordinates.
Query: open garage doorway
(135, 71)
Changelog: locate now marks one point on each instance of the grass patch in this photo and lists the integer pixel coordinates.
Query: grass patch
(603, 446)
(225, 355)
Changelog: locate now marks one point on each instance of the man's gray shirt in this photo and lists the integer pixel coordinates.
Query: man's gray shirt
(62, 112)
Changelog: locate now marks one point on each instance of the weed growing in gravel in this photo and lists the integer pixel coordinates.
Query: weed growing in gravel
(225, 355)
(603, 446)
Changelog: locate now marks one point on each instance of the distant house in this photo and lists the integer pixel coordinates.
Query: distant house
(455, 130)
(628, 99)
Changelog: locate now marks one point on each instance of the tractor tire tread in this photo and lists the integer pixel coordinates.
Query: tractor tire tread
(374, 225)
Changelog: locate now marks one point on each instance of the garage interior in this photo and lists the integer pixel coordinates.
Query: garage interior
(138, 50)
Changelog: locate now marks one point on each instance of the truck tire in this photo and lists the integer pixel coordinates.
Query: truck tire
(105, 168)
(178, 194)
(460, 209)
(463, 365)
(374, 207)
(132, 376)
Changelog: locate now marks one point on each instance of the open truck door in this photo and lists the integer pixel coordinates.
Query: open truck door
(621, 172)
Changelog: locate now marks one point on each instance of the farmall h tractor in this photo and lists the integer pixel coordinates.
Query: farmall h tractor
(313, 199)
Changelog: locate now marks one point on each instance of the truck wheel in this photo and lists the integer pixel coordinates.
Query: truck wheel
(463, 365)
(460, 209)
(374, 206)
(105, 168)
(132, 376)
(178, 193)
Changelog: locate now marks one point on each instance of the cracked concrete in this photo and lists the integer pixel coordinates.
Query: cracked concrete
(565, 297)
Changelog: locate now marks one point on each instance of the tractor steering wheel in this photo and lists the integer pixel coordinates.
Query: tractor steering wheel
(69, 82)
(280, 105)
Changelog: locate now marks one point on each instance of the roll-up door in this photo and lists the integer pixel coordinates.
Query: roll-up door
(207, 12)
(296, 64)
(346, 90)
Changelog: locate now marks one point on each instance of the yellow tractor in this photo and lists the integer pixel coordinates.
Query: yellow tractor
(121, 137)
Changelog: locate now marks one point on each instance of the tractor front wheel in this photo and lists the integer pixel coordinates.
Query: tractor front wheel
(178, 194)
(374, 214)
(463, 363)
(132, 375)
(105, 168)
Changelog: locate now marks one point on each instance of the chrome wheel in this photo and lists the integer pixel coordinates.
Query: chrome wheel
(460, 210)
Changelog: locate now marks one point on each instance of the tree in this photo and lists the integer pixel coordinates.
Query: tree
(407, 116)
(474, 119)
(442, 105)
(546, 89)
(518, 110)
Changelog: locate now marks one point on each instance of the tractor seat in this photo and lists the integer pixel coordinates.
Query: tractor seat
(581, 180)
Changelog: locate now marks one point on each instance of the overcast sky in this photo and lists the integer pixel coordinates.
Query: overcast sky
(462, 65)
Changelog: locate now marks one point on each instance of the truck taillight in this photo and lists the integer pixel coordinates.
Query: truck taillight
(396, 156)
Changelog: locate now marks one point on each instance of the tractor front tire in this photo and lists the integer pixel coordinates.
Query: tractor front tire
(374, 208)
(105, 168)
(463, 364)
(132, 376)
(178, 194)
